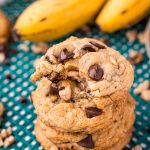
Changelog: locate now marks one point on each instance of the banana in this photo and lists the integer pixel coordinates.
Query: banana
(4, 28)
(118, 14)
(46, 20)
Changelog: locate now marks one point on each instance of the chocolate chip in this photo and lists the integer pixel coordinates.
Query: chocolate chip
(92, 112)
(148, 129)
(95, 72)
(47, 59)
(88, 48)
(65, 55)
(8, 76)
(53, 90)
(87, 142)
(23, 99)
(99, 46)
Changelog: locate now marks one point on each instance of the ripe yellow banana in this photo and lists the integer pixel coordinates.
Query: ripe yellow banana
(118, 14)
(50, 19)
(4, 28)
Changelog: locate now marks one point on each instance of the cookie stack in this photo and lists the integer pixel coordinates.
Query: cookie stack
(82, 99)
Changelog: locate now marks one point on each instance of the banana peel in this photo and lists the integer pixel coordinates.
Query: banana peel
(119, 14)
(4, 28)
(46, 20)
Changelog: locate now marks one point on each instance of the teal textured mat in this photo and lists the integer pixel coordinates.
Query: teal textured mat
(21, 117)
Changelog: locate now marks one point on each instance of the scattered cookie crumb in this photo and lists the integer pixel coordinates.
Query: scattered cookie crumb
(135, 57)
(141, 38)
(4, 133)
(141, 87)
(23, 47)
(131, 35)
(2, 57)
(85, 29)
(36, 62)
(137, 147)
(144, 90)
(1, 109)
(1, 141)
(146, 95)
(39, 47)
(6, 137)
(9, 141)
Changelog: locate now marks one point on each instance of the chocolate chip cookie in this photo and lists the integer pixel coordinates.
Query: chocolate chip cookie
(124, 121)
(83, 115)
(98, 67)
(85, 144)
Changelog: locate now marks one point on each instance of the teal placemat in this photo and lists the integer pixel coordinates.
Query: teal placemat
(21, 117)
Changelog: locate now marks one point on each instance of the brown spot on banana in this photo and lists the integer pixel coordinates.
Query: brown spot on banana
(43, 19)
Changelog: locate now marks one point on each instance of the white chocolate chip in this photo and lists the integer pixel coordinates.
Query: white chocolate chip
(9, 141)
(65, 93)
(146, 95)
(142, 86)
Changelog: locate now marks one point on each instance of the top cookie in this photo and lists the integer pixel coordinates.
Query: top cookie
(100, 69)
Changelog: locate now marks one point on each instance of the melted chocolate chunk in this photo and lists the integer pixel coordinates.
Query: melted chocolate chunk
(95, 72)
(65, 55)
(99, 46)
(87, 142)
(92, 112)
(53, 90)
(52, 77)
(88, 48)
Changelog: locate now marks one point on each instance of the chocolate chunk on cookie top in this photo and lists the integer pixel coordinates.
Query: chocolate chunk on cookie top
(95, 72)
(102, 69)
(65, 55)
(87, 142)
(92, 112)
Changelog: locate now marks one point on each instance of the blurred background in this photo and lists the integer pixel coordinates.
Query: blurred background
(28, 28)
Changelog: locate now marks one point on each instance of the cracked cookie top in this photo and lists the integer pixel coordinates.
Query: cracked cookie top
(100, 69)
